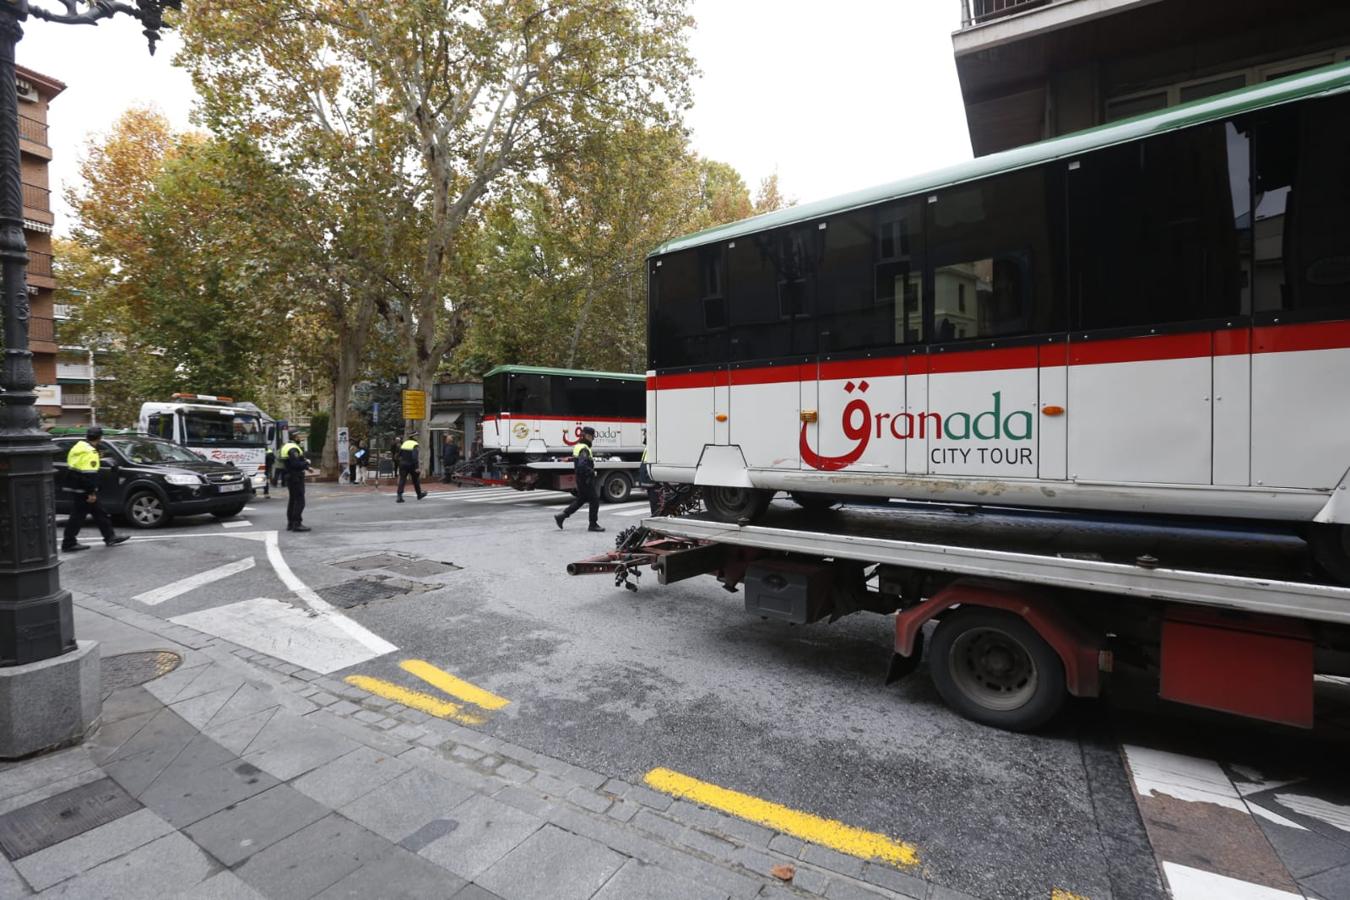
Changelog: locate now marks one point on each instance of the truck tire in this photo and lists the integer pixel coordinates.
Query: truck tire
(617, 487)
(146, 509)
(815, 502)
(992, 667)
(1330, 545)
(730, 504)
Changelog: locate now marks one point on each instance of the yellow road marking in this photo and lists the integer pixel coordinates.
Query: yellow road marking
(1061, 894)
(432, 706)
(828, 832)
(455, 687)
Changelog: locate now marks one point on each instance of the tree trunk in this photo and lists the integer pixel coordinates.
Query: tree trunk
(581, 318)
(351, 333)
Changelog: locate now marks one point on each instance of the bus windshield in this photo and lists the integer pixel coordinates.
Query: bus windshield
(223, 428)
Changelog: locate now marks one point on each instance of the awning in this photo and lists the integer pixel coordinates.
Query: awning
(443, 419)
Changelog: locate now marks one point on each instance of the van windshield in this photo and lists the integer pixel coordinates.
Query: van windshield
(220, 429)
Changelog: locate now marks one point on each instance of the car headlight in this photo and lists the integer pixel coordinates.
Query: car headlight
(184, 479)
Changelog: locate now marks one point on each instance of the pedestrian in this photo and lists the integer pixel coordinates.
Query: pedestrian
(358, 467)
(82, 483)
(295, 465)
(449, 456)
(588, 486)
(409, 466)
(269, 464)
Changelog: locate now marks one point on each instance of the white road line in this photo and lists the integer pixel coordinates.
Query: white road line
(1333, 814)
(376, 644)
(249, 509)
(633, 513)
(520, 497)
(475, 494)
(319, 642)
(1182, 777)
(1195, 884)
(630, 504)
(192, 582)
(237, 523)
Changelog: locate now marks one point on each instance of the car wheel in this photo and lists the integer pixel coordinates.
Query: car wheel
(617, 487)
(146, 509)
(732, 504)
(229, 513)
(992, 667)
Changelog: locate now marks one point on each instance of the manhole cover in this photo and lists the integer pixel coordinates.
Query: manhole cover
(422, 568)
(379, 561)
(46, 823)
(365, 590)
(130, 669)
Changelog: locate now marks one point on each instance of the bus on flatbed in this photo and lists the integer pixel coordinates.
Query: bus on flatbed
(1150, 317)
(531, 412)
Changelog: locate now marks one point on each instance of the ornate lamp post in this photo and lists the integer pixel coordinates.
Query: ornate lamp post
(36, 623)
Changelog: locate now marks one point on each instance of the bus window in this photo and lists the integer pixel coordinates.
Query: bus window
(993, 246)
(679, 334)
(899, 273)
(772, 287)
(529, 394)
(850, 314)
(494, 393)
(711, 263)
(1155, 230)
(1301, 179)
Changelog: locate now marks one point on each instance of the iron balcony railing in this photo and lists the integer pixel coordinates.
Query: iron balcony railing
(31, 129)
(977, 12)
(41, 328)
(71, 396)
(74, 371)
(36, 197)
(39, 263)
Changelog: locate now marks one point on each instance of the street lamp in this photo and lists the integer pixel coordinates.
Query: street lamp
(36, 623)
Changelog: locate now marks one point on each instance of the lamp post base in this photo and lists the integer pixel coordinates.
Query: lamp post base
(51, 703)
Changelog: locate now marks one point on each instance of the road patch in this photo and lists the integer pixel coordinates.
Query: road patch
(806, 826)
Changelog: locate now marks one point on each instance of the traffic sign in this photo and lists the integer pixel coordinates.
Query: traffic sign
(414, 404)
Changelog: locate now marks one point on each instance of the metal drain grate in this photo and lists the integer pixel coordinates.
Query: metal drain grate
(369, 589)
(130, 669)
(46, 823)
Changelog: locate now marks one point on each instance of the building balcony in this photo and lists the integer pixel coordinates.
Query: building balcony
(34, 130)
(42, 328)
(62, 311)
(73, 396)
(37, 197)
(39, 263)
(977, 12)
(74, 371)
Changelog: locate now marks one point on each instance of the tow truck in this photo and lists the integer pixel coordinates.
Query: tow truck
(1028, 608)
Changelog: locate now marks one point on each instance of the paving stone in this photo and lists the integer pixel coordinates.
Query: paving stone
(938, 892)
(707, 843)
(368, 716)
(588, 800)
(577, 867)
(746, 832)
(489, 762)
(486, 832)
(475, 892)
(247, 701)
(407, 732)
(213, 678)
(223, 886)
(322, 698)
(313, 859)
(428, 833)
(398, 876)
(104, 743)
(167, 688)
(356, 731)
(756, 861)
(302, 746)
(786, 844)
(1332, 883)
(524, 799)
(11, 884)
(127, 702)
(616, 786)
(237, 734)
(243, 829)
(168, 866)
(638, 879)
(85, 851)
(406, 803)
(891, 879)
(813, 881)
(200, 709)
(439, 765)
(344, 708)
(165, 734)
(833, 860)
(191, 797)
(387, 724)
(624, 810)
(288, 669)
(584, 777)
(839, 889)
(416, 716)
(468, 754)
(648, 797)
(337, 783)
(659, 825)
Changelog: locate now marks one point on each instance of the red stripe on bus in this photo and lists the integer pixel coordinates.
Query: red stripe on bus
(982, 360)
(1050, 355)
(1141, 349)
(1233, 342)
(774, 374)
(580, 420)
(1310, 336)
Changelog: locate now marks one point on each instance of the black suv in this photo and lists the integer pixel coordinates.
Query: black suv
(149, 481)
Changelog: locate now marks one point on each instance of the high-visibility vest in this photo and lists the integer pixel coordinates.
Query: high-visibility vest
(83, 457)
(646, 454)
(578, 447)
(286, 449)
(409, 444)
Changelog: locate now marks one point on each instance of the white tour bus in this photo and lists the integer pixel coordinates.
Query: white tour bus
(1152, 316)
(531, 412)
(214, 427)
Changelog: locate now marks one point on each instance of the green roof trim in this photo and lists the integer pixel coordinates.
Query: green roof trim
(1327, 80)
(573, 373)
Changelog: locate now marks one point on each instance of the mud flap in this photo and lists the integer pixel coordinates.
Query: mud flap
(904, 665)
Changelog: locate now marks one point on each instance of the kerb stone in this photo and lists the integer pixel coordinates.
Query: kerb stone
(49, 704)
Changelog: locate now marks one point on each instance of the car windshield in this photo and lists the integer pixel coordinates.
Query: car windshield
(148, 451)
(234, 429)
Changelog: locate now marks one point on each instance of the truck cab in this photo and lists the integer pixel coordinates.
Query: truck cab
(214, 427)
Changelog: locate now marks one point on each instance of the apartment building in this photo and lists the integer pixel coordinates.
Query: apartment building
(1034, 69)
(36, 92)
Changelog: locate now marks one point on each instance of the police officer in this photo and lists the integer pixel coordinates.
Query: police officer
(82, 464)
(588, 486)
(269, 464)
(294, 465)
(409, 465)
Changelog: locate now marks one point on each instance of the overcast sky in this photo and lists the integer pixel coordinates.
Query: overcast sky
(833, 95)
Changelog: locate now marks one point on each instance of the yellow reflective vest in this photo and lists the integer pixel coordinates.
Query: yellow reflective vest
(83, 457)
(286, 449)
(409, 444)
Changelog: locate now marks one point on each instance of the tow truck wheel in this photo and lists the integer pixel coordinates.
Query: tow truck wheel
(617, 487)
(1331, 550)
(815, 502)
(732, 504)
(992, 667)
(146, 509)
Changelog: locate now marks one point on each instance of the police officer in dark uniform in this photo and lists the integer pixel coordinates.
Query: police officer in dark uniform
(81, 482)
(295, 465)
(409, 466)
(269, 464)
(588, 486)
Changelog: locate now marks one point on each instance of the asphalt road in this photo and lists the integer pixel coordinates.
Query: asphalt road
(681, 677)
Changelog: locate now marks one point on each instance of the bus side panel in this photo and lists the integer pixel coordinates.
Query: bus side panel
(862, 422)
(1141, 409)
(1232, 407)
(1301, 405)
(684, 421)
(988, 424)
(916, 403)
(765, 412)
(1052, 422)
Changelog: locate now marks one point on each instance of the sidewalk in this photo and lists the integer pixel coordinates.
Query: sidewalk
(235, 775)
